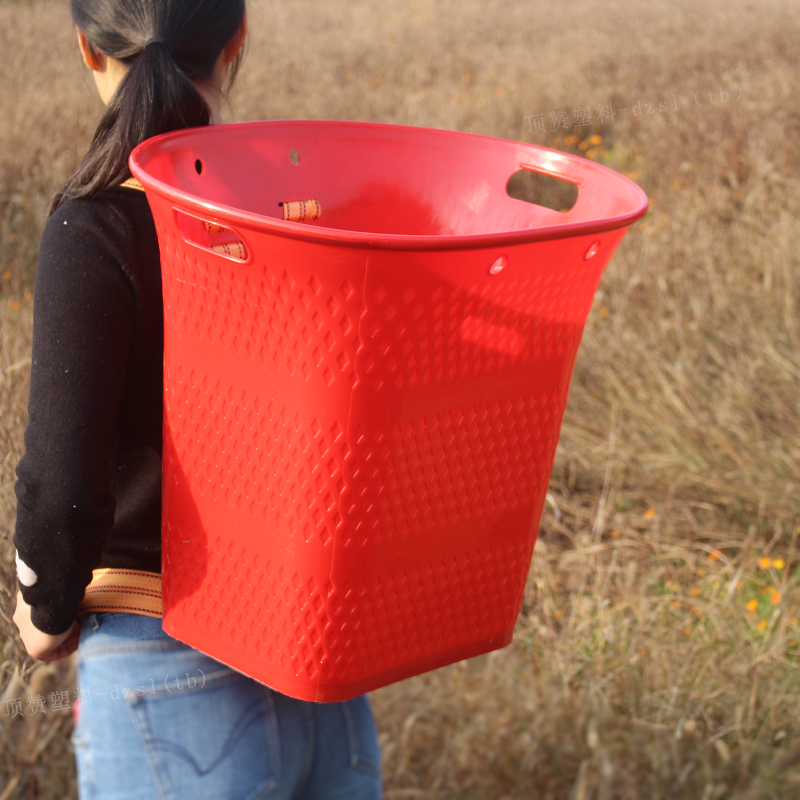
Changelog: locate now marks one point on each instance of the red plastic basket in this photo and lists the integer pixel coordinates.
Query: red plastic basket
(361, 413)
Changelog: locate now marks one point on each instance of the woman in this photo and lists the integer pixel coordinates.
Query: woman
(157, 718)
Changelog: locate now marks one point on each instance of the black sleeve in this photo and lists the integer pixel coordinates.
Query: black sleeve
(84, 318)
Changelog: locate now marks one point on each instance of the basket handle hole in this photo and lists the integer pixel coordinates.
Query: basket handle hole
(542, 190)
(213, 236)
(199, 168)
(294, 157)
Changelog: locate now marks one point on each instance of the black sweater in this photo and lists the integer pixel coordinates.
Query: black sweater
(89, 488)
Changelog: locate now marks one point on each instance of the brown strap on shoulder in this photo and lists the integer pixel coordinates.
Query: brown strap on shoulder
(132, 183)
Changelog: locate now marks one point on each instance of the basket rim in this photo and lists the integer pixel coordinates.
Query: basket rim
(371, 240)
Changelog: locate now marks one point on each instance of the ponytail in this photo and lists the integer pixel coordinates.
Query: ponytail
(158, 93)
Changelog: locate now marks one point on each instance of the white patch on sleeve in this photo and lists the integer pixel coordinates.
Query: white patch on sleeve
(27, 577)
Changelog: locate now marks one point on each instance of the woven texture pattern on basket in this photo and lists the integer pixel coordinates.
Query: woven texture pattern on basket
(356, 455)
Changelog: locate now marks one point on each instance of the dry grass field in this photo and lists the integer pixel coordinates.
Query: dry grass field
(657, 651)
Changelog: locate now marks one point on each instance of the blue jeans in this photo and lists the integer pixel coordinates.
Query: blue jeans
(159, 720)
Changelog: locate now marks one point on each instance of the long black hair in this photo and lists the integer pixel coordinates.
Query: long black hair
(167, 45)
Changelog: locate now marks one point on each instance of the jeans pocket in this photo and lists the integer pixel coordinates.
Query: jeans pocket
(209, 737)
(362, 735)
